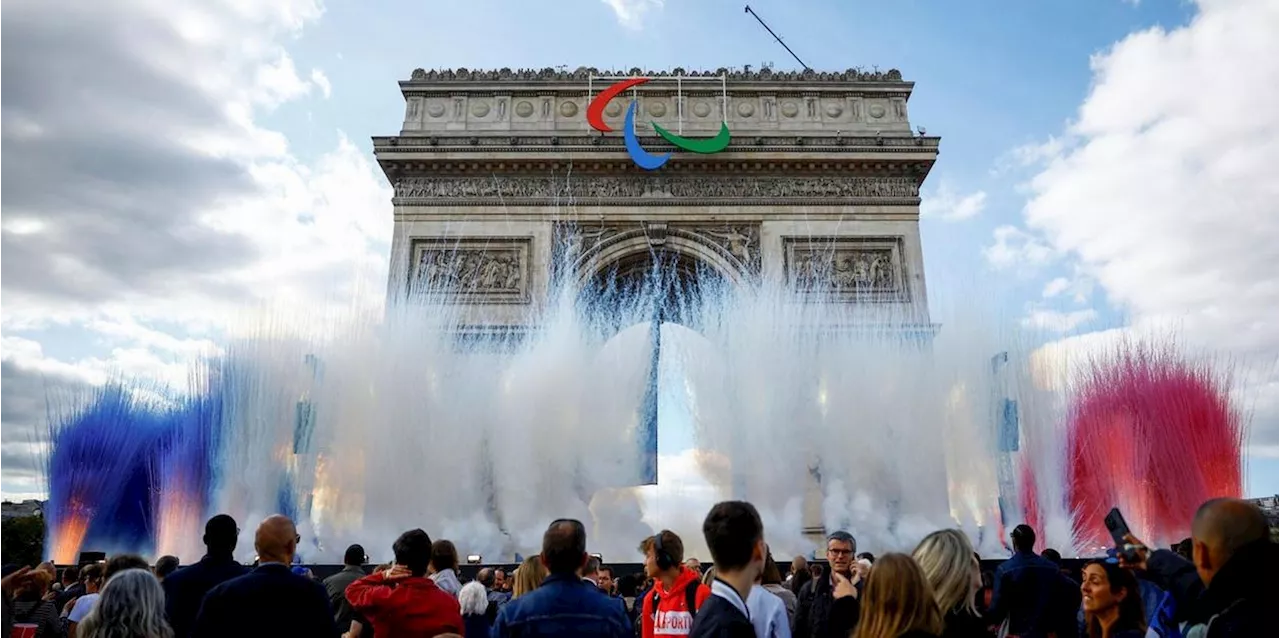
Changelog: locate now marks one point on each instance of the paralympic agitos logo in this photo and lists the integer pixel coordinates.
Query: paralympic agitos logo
(642, 158)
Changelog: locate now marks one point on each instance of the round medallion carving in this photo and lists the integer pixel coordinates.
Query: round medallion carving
(789, 109)
(834, 110)
(614, 109)
(746, 109)
(568, 109)
(524, 109)
(657, 109)
(702, 109)
(876, 111)
(480, 109)
(435, 110)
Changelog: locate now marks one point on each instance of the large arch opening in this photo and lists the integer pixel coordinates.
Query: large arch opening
(649, 301)
(662, 284)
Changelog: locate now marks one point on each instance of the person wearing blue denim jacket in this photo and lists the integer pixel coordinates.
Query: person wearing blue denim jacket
(1028, 591)
(564, 605)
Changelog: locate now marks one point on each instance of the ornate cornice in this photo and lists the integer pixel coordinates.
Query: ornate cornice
(594, 143)
(649, 190)
(765, 167)
(582, 74)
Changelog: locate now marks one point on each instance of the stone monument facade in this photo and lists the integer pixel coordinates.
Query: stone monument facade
(500, 182)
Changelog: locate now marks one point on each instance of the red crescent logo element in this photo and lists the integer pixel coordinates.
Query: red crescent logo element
(595, 110)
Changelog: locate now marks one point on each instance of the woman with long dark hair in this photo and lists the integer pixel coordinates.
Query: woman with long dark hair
(1112, 604)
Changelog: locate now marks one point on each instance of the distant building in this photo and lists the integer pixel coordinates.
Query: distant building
(1270, 506)
(29, 507)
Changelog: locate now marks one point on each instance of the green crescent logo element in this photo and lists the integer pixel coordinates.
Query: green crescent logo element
(704, 145)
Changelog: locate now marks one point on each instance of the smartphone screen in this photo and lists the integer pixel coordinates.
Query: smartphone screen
(1117, 526)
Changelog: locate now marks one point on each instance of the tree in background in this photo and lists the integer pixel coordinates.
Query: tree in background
(22, 540)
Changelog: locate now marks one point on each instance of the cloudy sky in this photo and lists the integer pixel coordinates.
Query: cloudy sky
(1107, 165)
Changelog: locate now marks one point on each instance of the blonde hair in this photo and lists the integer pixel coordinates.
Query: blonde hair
(896, 600)
(710, 576)
(528, 576)
(947, 560)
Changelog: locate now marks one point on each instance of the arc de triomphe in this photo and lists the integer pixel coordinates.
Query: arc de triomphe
(495, 172)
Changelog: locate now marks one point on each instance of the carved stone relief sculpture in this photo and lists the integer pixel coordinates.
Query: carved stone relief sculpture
(474, 270)
(855, 109)
(742, 241)
(899, 109)
(849, 269)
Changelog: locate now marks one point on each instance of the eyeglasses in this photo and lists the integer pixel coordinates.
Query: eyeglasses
(840, 552)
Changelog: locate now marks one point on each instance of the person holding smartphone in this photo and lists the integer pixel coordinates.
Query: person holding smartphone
(1229, 588)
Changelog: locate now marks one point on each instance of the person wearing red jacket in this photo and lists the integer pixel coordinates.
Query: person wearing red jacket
(402, 601)
(668, 609)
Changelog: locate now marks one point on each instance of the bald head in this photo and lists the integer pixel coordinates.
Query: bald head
(1229, 524)
(1221, 527)
(276, 540)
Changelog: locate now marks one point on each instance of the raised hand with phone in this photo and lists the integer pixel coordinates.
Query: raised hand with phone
(1130, 551)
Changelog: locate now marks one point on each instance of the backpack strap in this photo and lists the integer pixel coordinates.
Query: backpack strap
(690, 598)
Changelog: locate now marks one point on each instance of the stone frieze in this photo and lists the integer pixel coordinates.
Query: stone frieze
(627, 190)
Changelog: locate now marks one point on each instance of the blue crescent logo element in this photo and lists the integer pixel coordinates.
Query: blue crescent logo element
(644, 159)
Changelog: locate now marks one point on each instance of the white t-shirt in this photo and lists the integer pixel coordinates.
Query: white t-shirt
(83, 606)
(768, 613)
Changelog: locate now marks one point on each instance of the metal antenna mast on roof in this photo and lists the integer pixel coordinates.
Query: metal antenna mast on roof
(775, 37)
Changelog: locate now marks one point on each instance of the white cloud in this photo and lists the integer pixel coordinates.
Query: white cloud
(29, 355)
(1058, 321)
(1078, 286)
(173, 213)
(321, 80)
(1056, 287)
(198, 211)
(631, 13)
(948, 205)
(1014, 247)
(1166, 194)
